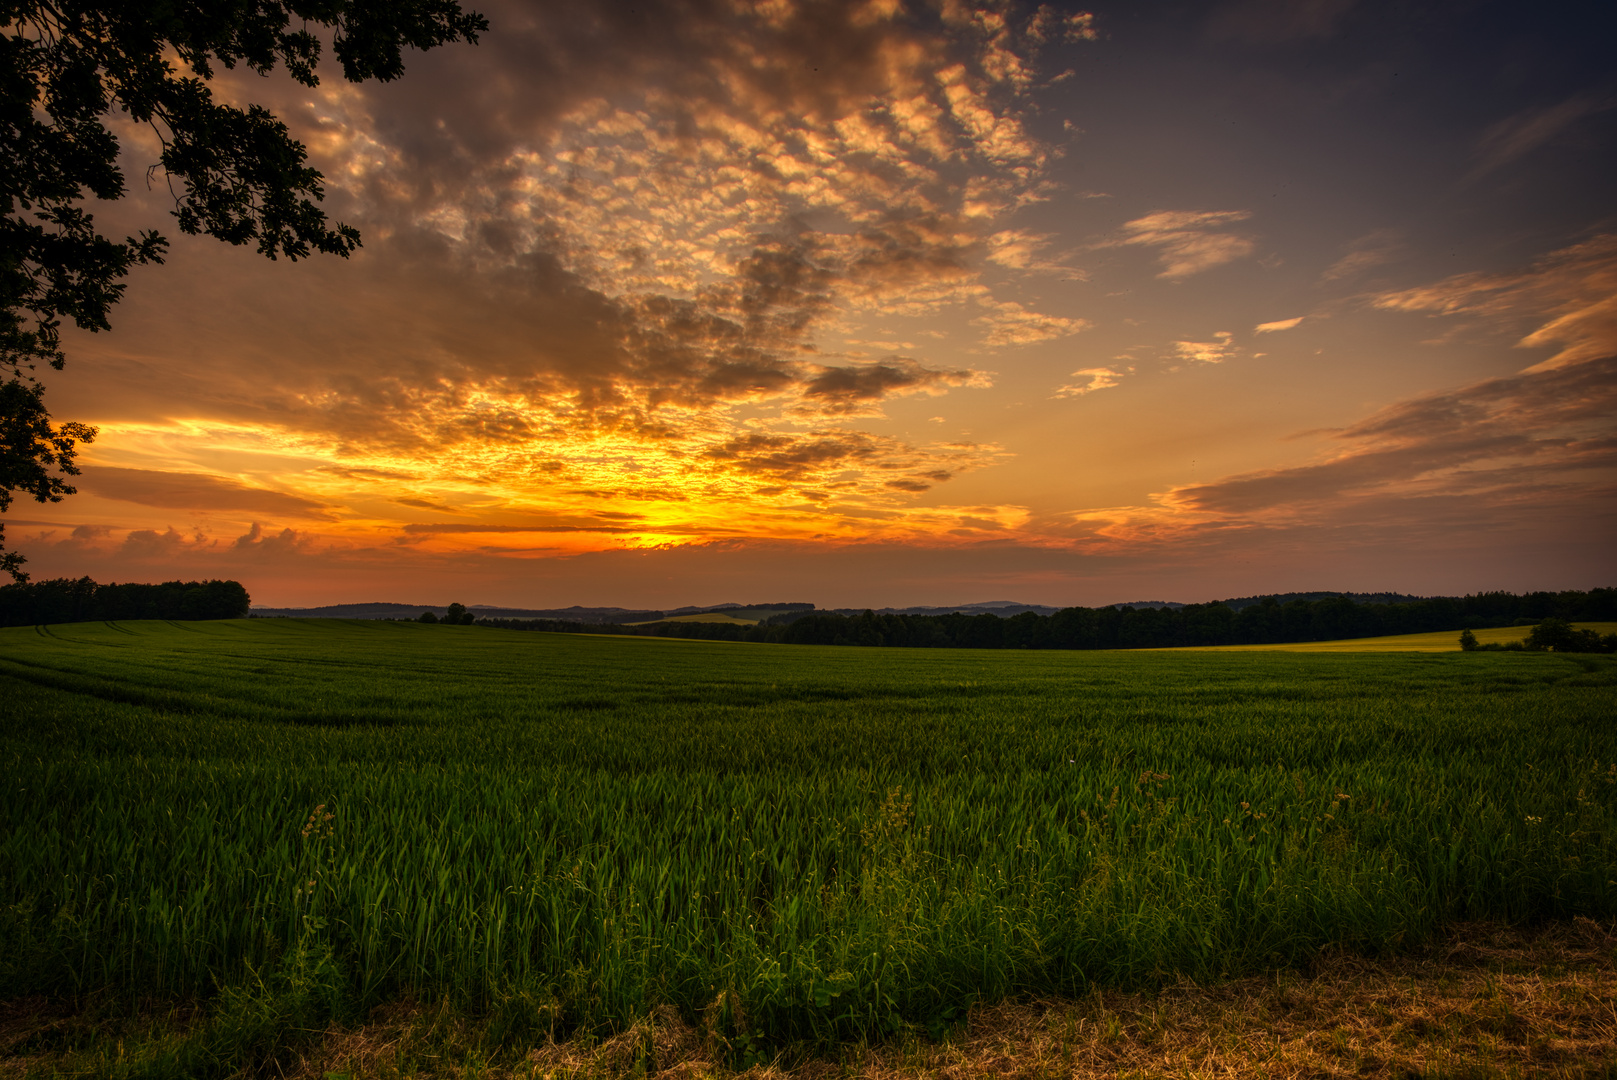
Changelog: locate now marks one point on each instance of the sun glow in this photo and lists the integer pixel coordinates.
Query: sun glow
(569, 493)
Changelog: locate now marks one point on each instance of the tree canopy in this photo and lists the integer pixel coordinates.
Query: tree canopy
(66, 68)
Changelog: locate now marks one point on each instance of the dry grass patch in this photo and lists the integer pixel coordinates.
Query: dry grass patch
(1489, 1003)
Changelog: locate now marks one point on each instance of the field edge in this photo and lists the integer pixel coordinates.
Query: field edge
(1483, 1000)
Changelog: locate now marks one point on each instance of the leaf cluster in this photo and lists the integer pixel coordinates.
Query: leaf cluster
(30, 448)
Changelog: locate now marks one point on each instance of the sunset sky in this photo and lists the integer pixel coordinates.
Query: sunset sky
(878, 303)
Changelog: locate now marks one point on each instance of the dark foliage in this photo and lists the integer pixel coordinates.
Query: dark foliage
(29, 449)
(66, 600)
(1557, 635)
(1266, 623)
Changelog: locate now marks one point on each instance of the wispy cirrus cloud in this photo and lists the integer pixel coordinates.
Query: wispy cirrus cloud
(1009, 323)
(1540, 445)
(1571, 296)
(1522, 133)
(178, 490)
(1497, 441)
(1189, 241)
(1220, 349)
(1096, 378)
(1278, 325)
(1374, 249)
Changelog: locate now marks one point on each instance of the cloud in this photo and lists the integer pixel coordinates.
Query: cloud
(1520, 134)
(1524, 464)
(427, 504)
(1187, 238)
(1019, 249)
(196, 491)
(1015, 248)
(845, 390)
(149, 545)
(1494, 441)
(460, 528)
(1368, 251)
(1099, 378)
(1221, 348)
(618, 233)
(1278, 324)
(1570, 294)
(1050, 25)
(254, 541)
(1008, 323)
(1545, 437)
(819, 463)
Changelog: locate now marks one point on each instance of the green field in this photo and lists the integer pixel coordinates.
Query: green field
(1441, 641)
(802, 844)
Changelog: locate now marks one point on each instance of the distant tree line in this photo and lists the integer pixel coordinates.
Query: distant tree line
(1268, 622)
(67, 600)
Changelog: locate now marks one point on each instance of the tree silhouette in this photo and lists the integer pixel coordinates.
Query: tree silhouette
(236, 173)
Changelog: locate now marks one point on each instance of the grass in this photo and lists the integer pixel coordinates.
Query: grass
(292, 823)
(1439, 641)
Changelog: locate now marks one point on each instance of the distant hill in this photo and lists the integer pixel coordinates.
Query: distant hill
(600, 615)
(1003, 608)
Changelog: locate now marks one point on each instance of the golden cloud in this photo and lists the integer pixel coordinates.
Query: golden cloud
(634, 252)
(1221, 348)
(175, 490)
(1571, 294)
(603, 253)
(1189, 239)
(1098, 378)
(1537, 446)
(1008, 323)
